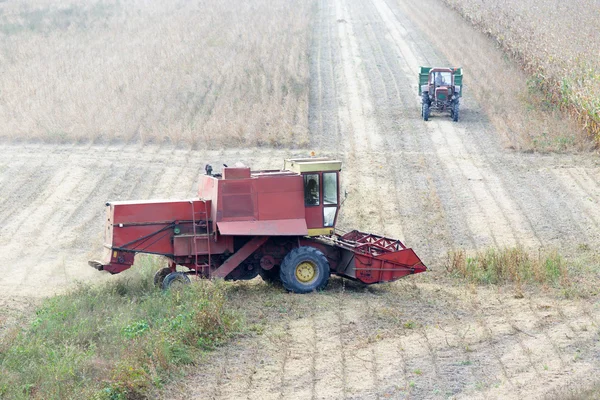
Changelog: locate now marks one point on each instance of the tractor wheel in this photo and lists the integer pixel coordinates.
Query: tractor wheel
(455, 112)
(160, 276)
(425, 112)
(175, 280)
(425, 104)
(304, 269)
(270, 276)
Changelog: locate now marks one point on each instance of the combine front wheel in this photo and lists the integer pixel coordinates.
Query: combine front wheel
(304, 269)
(160, 276)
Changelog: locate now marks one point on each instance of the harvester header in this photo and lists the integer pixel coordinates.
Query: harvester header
(279, 224)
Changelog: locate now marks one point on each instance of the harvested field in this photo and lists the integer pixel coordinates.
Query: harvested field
(437, 185)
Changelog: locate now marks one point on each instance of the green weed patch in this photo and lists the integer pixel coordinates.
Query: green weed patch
(509, 265)
(121, 340)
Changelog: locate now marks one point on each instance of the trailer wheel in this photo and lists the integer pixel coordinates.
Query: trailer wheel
(160, 276)
(304, 269)
(175, 280)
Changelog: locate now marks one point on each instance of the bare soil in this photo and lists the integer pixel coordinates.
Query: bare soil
(437, 185)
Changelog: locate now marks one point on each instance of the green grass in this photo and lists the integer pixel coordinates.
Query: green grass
(509, 265)
(575, 275)
(122, 340)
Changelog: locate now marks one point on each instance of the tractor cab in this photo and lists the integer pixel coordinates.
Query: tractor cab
(440, 78)
(320, 177)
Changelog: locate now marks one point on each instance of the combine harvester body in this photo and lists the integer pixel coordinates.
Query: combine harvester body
(276, 223)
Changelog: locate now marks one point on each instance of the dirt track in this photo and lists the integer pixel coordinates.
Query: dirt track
(437, 185)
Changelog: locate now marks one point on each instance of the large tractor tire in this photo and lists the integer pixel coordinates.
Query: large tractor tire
(425, 104)
(455, 111)
(175, 280)
(304, 269)
(426, 112)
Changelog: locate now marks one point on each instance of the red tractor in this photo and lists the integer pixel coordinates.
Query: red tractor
(440, 90)
(279, 224)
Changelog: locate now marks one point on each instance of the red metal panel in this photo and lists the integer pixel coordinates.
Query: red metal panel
(237, 200)
(153, 211)
(236, 173)
(280, 206)
(145, 225)
(387, 267)
(314, 216)
(280, 197)
(183, 245)
(285, 227)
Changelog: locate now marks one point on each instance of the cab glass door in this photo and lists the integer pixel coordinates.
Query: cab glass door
(330, 198)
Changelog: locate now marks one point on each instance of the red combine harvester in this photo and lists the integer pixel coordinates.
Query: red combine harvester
(279, 224)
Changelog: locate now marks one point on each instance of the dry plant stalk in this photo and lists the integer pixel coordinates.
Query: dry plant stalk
(194, 74)
(514, 265)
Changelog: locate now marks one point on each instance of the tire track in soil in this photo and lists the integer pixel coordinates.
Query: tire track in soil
(491, 339)
(23, 187)
(340, 334)
(323, 118)
(298, 366)
(53, 234)
(540, 323)
(361, 139)
(330, 364)
(41, 237)
(357, 354)
(402, 84)
(463, 335)
(519, 333)
(416, 193)
(583, 192)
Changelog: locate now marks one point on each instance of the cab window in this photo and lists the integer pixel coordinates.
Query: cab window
(329, 216)
(330, 188)
(311, 189)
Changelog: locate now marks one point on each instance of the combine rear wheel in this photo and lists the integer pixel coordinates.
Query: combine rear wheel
(175, 280)
(160, 276)
(304, 269)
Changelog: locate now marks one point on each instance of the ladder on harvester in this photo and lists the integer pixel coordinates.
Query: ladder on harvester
(199, 216)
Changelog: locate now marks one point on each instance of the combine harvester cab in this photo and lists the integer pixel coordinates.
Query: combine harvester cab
(279, 224)
(440, 90)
